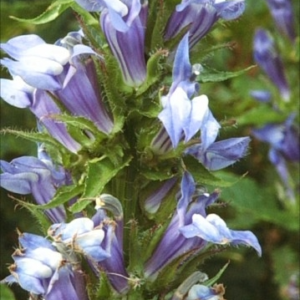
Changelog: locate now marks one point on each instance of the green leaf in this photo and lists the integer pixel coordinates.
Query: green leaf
(6, 293)
(260, 115)
(211, 75)
(213, 280)
(52, 12)
(76, 126)
(40, 137)
(99, 173)
(36, 212)
(154, 70)
(63, 194)
(261, 207)
(203, 176)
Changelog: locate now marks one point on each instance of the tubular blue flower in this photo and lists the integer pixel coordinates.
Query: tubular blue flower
(268, 59)
(282, 12)
(81, 236)
(284, 140)
(114, 265)
(200, 16)
(217, 155)
(213, 229)
(37, 63)
(30, 175)
(180, 115)
(41, 270)
(77, 90)
(173, 244)
(221, 154)
(124, 27)
(202, 292)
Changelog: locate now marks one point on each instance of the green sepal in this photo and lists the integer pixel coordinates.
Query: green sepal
(202, 175)
(165, 170)
(50, 14)
(104, 291)
(37, 213)
(213, 280)
(86, 16)
(159, 14)
(76, 125)
(135, 254)
(154, 70)
(151, 238)
(99, 173)
(37, 137)
(63, 194)
(172, 275)
(212, 75)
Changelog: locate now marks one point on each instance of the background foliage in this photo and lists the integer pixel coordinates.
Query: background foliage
(255, 202)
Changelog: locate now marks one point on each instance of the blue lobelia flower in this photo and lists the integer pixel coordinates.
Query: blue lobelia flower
(41, 270)
(213, 229)
(114, 265)
(282, 12)
(124, 25)
(182, 118)
(181, 236)
(39, 177)
(202, 292)
(284, 140)
(39, 64)
(269, 60)
(200, 16)
(76, 81)
(180, 115)
(173, 244)
(81, 236)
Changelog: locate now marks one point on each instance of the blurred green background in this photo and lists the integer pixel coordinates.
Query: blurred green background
(255, 203)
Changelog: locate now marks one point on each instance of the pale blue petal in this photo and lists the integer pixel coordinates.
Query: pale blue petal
(18, 183)
(16, 94)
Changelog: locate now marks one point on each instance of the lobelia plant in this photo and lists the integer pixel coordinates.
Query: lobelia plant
(121, 127)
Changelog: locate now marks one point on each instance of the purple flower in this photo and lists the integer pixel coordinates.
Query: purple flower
(76, 87)
(114, 265)
(37, 63)
(217, 155)
(201, 15)
(124, 26)
(213, 229)
(30, 175)
(282, 12)
(180, 115)
(81, 236)
(202, 292)
(268, 59)
(284, 140)
(173, 244)
(41, 270)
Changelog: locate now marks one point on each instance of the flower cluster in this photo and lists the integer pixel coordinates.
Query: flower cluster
(109, 133)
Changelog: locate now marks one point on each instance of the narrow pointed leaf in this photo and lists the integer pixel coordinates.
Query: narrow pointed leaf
(51, 13)
(211, 75)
